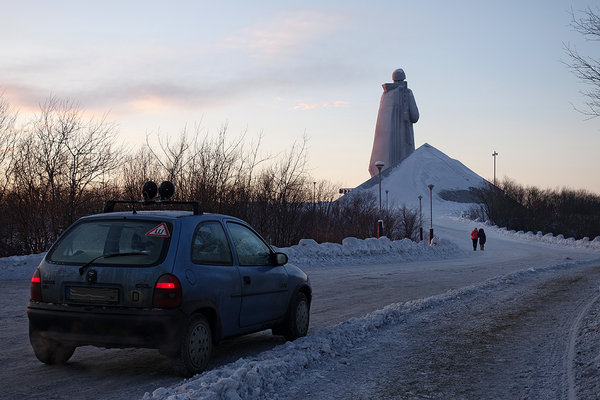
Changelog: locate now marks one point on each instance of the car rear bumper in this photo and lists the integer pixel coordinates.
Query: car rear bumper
(108, 327)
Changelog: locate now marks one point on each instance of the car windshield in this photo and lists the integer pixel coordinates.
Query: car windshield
(125, 242)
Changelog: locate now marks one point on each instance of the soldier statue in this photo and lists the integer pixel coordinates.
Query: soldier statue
(394, 135)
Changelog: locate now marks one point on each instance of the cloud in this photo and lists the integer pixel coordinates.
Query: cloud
(26, 99)
(267, 62)
(335, 104)
(284, 34)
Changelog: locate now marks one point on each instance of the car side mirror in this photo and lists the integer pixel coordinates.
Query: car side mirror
(280, 259)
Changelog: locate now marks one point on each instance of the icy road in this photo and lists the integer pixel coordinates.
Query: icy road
(518, 320)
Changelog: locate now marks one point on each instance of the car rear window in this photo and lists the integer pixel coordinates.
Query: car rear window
(113, 242)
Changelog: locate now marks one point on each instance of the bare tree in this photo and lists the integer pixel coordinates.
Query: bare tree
(92, 156)
(200, 165)
(173, 157)
(60, 157)
(65, 165)
(405, 221)
(290, 171)
(137, 169)
(587, 68)
(570, 212)
(78, 152)
(8, 117)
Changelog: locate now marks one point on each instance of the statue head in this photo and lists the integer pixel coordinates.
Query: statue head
(398, 75)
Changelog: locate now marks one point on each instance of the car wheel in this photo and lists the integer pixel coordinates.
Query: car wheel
(49, 351)
(297, 321)
(196, 347)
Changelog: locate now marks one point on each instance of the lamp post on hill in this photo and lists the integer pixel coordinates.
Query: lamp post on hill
(379, 165)
(420, 219)
(494, 154)
(431, 213)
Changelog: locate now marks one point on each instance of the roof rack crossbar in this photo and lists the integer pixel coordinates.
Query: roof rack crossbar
(109, 206)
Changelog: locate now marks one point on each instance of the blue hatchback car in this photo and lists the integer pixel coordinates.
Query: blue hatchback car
(177, 281)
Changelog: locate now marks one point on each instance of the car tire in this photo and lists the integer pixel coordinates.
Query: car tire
(297, 320)
(195, 349)
(49, 351)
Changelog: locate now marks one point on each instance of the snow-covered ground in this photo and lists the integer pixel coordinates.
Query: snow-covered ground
(389, 319)
(346, 358)
(328, 354)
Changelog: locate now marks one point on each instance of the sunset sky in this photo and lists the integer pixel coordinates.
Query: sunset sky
(487, 76)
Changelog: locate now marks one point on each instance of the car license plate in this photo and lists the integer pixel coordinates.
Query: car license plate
(83, 294)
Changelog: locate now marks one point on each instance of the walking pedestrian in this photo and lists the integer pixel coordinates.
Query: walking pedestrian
(474, 238)
(481, 236)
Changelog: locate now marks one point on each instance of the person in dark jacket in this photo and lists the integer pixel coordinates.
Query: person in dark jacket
(481, 236)
(474, 236)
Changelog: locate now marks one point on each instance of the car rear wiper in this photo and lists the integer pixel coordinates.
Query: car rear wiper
(111, 255)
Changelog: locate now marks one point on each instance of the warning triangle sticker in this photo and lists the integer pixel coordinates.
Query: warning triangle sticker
(160, 230)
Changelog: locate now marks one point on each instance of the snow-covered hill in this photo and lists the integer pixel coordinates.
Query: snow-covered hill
(425, 166)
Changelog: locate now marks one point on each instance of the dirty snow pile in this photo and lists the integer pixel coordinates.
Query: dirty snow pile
(355, 251)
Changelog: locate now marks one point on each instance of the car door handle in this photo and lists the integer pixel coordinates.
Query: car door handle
(247, 280)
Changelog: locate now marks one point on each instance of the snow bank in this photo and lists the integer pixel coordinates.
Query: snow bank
(259, 377)
(19, 267)
(355, 251)
(306, 253)
(352, 251)
(548, 238)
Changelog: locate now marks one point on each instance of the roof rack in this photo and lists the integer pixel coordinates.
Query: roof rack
(149, 192)
(109, 206)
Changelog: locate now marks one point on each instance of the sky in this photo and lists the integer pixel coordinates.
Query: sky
(487, 76)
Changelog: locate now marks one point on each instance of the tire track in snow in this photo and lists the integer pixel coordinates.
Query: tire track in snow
(572, 344)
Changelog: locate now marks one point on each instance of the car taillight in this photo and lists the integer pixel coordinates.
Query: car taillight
(35, 292)
(167, 292)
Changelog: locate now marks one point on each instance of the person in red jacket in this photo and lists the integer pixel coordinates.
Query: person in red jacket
(474, 238)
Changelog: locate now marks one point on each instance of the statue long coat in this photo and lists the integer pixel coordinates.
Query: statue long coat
(394, 135)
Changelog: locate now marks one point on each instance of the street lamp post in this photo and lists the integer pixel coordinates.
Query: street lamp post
(379, 165)
(431, 213)
(314, 195)
(494, 154)
(420, 219)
